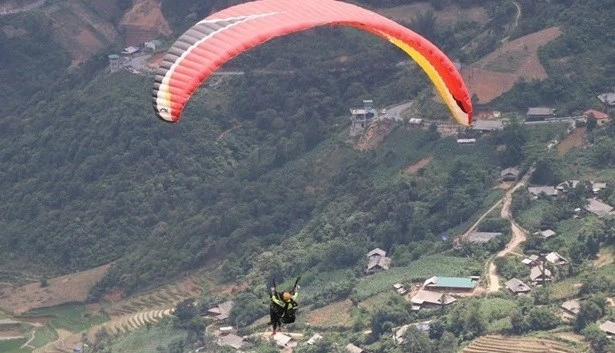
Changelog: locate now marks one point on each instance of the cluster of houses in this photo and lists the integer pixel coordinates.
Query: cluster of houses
(124, 60)
(594, 204)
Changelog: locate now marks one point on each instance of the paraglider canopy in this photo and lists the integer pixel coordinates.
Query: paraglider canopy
(221, 36)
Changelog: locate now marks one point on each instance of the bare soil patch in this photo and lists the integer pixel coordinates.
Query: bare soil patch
(497, 72)
(412, 169)
(69, 288)
(336, 314)
(574, 140)
(375, 134)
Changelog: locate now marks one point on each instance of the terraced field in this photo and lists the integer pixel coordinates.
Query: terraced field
(150, 307)
(503, 344)
(130, 314)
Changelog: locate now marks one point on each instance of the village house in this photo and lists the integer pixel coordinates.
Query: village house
(516, 286)
(510, 174)
(425, 299)
(481, 237)
(556, 259)
(451, 284)
(536, 275)
(377, 261)
(609, 328)
(597, 186)
(598, 207)
(221, 311)
(361, 118)
(571, 307)
(600, 117)
(152, 45)
(539, 113)
(487, 125)
(608, 100)
(538, 190)
(546, 234)
(231, 340)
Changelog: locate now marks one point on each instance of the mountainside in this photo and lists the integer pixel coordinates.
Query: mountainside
(90, 177)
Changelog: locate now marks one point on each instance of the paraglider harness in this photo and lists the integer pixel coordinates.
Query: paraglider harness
(283, 311)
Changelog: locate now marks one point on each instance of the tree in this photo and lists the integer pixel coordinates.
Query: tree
(598, 339)
(416, 341)
(541, 318)
(518, 322)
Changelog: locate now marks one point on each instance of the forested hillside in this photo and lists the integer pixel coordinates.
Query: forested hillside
(260, 162)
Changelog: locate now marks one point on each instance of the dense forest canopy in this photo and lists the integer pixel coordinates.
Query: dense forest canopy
(89, 175)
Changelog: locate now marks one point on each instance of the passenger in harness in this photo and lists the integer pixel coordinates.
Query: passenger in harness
(283, 307)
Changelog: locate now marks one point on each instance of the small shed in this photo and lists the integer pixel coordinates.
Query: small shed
(546, 234)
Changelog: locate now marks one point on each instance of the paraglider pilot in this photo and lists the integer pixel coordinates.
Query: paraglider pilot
(283, 307)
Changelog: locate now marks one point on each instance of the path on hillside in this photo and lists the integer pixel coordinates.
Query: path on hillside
(518, 234)
(517, 16)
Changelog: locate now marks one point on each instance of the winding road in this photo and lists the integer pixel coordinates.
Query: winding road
(519, 235)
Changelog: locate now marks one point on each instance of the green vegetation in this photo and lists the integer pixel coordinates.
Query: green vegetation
(259, 182)
(72, 317)
(13, 346)
(159, 338)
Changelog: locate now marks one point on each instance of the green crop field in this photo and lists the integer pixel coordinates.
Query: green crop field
(73, 317)
(156, 339)
(12, 346)
(429, 266)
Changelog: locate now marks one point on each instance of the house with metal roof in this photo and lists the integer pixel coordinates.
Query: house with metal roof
(451, 284)
(487, 125)
(546, 234)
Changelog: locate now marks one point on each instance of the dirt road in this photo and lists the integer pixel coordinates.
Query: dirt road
(518, 234)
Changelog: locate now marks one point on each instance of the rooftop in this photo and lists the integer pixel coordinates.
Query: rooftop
(517, 286)
(608, 327)
(426, 296)
(607, 98)
(597, 207)
(540, 111)
(482, 237)
(488, 125)
(451, 282)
